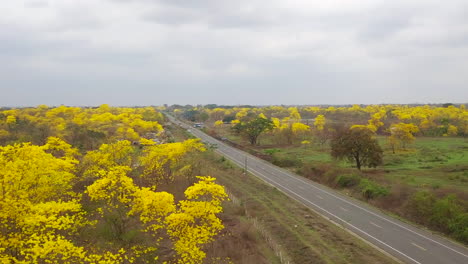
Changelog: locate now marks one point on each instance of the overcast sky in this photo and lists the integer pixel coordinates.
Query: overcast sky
(149, 52)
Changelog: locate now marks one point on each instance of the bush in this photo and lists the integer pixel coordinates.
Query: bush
(329, 177)
(348, 180)
(286, 161)
(459, 227)
(271, 151)
(371, 190)
(444, 211)
(446, 214)
(420, 206)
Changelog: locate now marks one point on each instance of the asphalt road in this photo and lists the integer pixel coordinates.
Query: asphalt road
(405, 242)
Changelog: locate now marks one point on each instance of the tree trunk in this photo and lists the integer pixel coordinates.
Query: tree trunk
(358, 161)
(253, 140)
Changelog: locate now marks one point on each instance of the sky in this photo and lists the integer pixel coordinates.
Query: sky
(150, 52)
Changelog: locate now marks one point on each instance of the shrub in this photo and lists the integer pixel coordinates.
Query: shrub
(286, 161)
(459, 227)
(271, 151)
(329, 176)
(444, 211)
(420, 206)
(371, 190)
(348, 180)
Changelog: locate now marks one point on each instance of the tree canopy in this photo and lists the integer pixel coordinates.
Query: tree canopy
(358, 145)
(252, 129)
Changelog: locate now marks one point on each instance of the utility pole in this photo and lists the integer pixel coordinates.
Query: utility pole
(245, 165)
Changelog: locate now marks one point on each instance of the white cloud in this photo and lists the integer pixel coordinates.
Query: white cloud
(337, 51)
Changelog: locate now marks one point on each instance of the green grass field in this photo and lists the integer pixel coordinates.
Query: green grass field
(303, 236)
(437, 165)
(428, 162)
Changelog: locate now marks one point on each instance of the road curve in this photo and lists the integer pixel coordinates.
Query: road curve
(405, 242)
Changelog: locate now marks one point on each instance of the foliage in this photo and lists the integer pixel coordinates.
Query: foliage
(29, 172)
(98, 162)
(195, 223)
(289, 131)
(357, 145)
(432, 120)
(162, 162)
(319, 122)
(286, 161)
(421, 205)
(43, 215)
(458, 226)
(190, 224)
(85, 128)
(252, 129)
(34, 218)
(371, 190)
(348, 180)
(446, 214)
(435, 163)
(402, 134)
(444, 210)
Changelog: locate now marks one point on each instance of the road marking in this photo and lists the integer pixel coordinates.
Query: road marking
(337, 197)
(320, 197)
(374, 224)
(344, 209)
(301, 187)
(323, 209)
(355, 205)
(270, 181)
(418, 246)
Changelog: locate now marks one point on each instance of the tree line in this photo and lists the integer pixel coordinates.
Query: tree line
(101, 202)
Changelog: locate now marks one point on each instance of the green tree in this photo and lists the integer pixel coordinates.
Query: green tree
(252, 129)
(358, 145)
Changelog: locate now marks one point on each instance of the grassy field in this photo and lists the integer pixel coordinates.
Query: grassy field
(298, 233)
(426, 183)
(427, 163)
(430, 162)
(239, 241)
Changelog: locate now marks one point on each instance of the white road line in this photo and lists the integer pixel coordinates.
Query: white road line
(355, 205)
(418, 246)
(344, 209)
(374, 224)
(320, 197)
(339, 198)
(323, 209)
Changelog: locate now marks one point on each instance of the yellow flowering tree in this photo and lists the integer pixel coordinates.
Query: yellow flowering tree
(34, 220)
(190, 224)
(162, 162)
(402, 134)
(195, 223)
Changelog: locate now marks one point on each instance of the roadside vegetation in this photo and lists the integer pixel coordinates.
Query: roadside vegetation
(123, 191)
(409, 160)
(291, 231)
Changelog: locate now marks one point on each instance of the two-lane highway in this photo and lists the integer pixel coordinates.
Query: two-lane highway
(405, 242)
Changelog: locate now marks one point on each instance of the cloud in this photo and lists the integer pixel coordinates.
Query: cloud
(256, 52)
